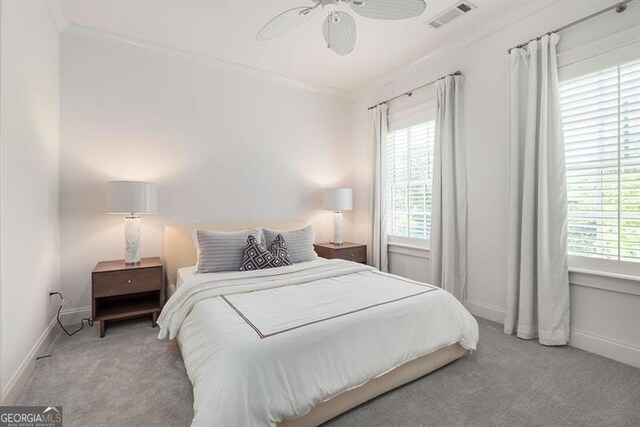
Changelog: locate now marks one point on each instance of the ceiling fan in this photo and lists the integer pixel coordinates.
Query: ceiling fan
(339, 28)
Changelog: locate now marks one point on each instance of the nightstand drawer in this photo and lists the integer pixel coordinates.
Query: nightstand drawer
(358, 254)
(126, 282)
(350, 251)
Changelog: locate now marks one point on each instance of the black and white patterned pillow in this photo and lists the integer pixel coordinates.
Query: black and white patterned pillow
(256, 257)
(280, 252)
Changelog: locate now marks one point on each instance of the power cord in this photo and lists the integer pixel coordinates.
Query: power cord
(89, 320)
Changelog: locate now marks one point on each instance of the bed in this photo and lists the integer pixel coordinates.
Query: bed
(299, 345)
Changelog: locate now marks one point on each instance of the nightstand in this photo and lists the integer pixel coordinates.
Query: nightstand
(350, 251)
(121, 291)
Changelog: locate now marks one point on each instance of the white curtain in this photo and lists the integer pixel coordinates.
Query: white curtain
(449, 205)
(377, 251)
(538, 277)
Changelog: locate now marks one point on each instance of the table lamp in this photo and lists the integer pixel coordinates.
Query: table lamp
(131, 198)
(338, 200)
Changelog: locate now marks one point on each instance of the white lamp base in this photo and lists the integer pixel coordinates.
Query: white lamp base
(337, 229)
(132, 239)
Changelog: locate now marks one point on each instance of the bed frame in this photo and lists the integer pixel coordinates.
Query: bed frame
(179, 252)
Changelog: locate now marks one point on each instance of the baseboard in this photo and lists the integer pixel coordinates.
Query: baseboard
(485, 311)
(606, 347)
(621, 352)
(19, 379)
(73, 316)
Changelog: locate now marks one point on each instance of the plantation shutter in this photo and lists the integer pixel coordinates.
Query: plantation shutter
(601, 124)
(409, 180)
(409, 167)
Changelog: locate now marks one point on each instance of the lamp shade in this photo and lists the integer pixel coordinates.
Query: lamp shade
(132, 197)
(338, 199)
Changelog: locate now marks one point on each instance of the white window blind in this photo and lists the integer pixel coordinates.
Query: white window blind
(409, 169)
(601, 124)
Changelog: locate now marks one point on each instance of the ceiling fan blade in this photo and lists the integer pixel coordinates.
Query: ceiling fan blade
(388, 9)
(339, 31)
(285, 22)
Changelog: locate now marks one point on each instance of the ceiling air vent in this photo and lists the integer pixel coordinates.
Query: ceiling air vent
(450, 14)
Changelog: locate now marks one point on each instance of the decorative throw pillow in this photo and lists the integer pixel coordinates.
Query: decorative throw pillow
(256, 257)
(280, 252)
(299, 242)
(220, 250)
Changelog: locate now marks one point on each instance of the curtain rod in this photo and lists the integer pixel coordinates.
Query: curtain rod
(618, 7)
(409, 93)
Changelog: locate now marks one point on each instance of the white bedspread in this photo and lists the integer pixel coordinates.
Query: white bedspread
(268, 345)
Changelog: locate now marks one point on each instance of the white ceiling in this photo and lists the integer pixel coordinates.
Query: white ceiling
(225, 29)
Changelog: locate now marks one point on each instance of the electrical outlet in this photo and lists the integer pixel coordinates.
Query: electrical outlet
(49, 293)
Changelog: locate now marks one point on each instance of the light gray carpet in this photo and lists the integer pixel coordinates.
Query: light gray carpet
(130, 378)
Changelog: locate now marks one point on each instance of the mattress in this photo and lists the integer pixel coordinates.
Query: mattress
(264, 346)
(186, 274)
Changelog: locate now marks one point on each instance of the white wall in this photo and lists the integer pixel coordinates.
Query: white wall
(602, 321)
(29, 154)
(224, 143)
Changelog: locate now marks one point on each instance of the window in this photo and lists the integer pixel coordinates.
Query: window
(409, 169)
(601, 124)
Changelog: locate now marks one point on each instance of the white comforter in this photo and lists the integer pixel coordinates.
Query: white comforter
(268, 345)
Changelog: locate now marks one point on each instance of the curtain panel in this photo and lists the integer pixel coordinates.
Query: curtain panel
(377, 250)
(449, 206)
(538, 276)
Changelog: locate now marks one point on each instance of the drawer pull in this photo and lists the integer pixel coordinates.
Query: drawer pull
(129, 281)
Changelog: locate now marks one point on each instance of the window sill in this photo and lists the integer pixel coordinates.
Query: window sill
(590, 272)
(407, 249)
(605, 281)
(604, 268)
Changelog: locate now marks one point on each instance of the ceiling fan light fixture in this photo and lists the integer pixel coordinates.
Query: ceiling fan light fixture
(340, 35)
(339, 28)
(329, 6)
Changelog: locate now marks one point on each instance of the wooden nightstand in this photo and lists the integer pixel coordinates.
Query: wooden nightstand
(120, 291)
(349, 251)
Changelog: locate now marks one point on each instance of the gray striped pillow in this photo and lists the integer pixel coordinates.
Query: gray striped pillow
(221, 251)
(299, 242)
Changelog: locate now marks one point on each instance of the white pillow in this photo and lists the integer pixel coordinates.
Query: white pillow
(220, 250)
(299, 242)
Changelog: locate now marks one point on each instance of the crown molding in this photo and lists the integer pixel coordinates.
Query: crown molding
(600, 46)
(158, 49)
(57, 15)
(486, 31)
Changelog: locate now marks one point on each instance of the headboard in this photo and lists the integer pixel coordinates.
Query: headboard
(179, 250)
